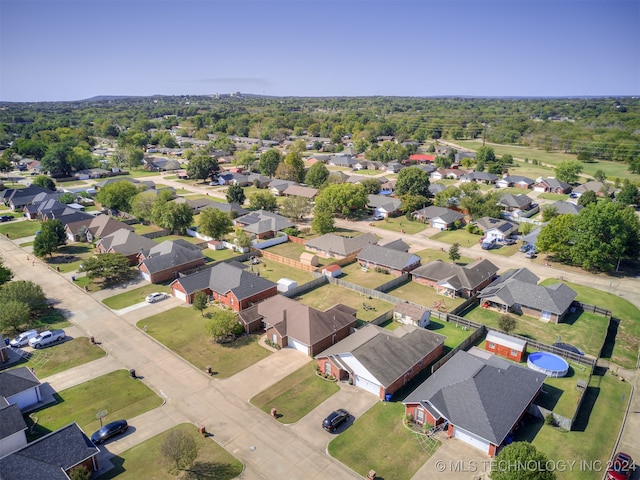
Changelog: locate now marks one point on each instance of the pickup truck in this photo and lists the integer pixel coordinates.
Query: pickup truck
(47, 338)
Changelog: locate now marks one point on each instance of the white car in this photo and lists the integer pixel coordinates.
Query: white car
(156, 296)
(22, 340)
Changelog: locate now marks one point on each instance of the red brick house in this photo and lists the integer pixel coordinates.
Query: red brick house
(292, 324)
(455, 280)
(381, 361)
(262, 223)
(506, 346)
(227, 283)
(126, 242)
(165, 260)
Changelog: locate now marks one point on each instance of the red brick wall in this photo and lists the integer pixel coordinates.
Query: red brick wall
(410, 409)
(417, 368)
(424, 281)
(170, 273)
(532, 312)
(325, 343)
(504, 351)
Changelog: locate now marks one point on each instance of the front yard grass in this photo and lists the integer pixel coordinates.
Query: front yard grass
(56, 359)
(379, 441)
(554, 196)
(353, 273)
(430, 254)
(295, 395)
(20, 229)
(142, 461)
(461, 236)
(328, 295)
(426, 296)
(131, 297)
(399, 224)
(68, 258)
(506, 250)
(183, 331)
(115, 392)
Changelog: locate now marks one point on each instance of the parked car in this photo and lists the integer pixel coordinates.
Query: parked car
(109, 430)
(489, 245)
(531, 253)
(46, 338)
(335, 419)
(22, 340)
(509, 241)
(621, 467)
(6, 218)
(377, 216)
(155, 296)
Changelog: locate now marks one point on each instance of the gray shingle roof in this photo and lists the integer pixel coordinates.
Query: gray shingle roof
(224, 278)
(398, 244)
(16, 381)
(126, 242)
(168, 254)
(445, 214)
(336, 244)
(468, 276)
(514, 201)
(11, 420)
(389, 204)
(483, 396)
(387, 257)
(263, 221)
(504, 226)
(518, 179)
(482, 176)
(563, 208)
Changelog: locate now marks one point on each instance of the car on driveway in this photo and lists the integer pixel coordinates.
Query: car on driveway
(109, 430)
(156, 296)
(22, 340)
(489, 245)
(621, 467)
(531, 253)
(6, 218)
(509, 241)
(335, 419)
(525, 247)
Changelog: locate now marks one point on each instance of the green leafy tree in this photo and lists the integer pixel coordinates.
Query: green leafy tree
(629, 195)
(214, 223)
(443, 162)
(112, 267)
(56, 160)
(295, 207)
(520, 453)
(269, 162)
(242, 240)
(202, 167)
(447, 197)
(45, 182)
(117, 195)
(556, 237)
(134, 157)
(80, 473)
(371, 186)
(200, 300)
(235, 194)
(588, 197)
(569, 171)
(411, 203)
(27, 292)
(142, 205)
(179, 449)
(485, 155)
(67, 198)
(600, 176)
(548, 213)
(295, 167)
(5, 273)
(173, 216)
(14, 315)
(223, 325)
(322, 222)
(262, 201)
(317, 175)
(454, 252)
(507, 323)
(341, 198)
(413, 181)
(245, 159)
(45, 243)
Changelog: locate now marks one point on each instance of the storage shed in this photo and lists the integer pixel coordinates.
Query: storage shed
(308, 258)
(333, 271)
(286, 284)
(506, 346)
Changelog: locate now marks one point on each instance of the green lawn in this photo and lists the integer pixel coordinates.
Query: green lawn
(464, 238)
(274, 271)
(295, 395)
(173, 238)
(64, 356)
(138, 173)
(430, 254)
(561, 394)
(145, 460)
(353, 273)
(399, 224)
(379, 441)
(20, 229)
(455, 334)
(183, 331)
(69, 257)
(594, 433)
(115, 392)
(141, 229)
(627, 339)
(584, 330)
(554, 196)
(217, 255)
(134, 296)
(506, 250)
(290, 250)
(328, 295)
(426, 296)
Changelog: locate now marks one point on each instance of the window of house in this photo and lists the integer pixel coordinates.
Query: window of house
(327, 367)
(492, 345)
(514, 353)
(420, 415)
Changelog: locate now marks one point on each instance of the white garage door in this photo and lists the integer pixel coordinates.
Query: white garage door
(180, 295)
(367, 385)
(146, 276)
(298, 346)
(471, 439)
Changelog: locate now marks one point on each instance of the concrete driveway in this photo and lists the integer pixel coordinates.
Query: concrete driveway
(455, 460)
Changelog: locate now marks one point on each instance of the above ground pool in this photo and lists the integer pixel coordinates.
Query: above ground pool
(548, 363)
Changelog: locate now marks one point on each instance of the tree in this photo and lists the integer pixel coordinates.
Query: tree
(223, 325)
(548, 213)
(67, 198)
(5, 273)
(200, 300)
(26, 292)
(112, 267)
(214, 223)
(134, 157)
(117, 195)
(454, 252)
(413, 181)
(245, 159)
(568, 171)
(507, 323)
(44, 244)
(295, 207)
(202, 167)
(371, 186)
(443, 162)
(262, 201)
(56, 160)
(317, 175)
(411, 203)
(173, 216)
(269, 162)
(14, 315)
(556, 237)
(485, 155)
(629, 195)
(322, 222)
(508, 464)
(235, 194)
(80, 473)
(587, 197)
(180, 449)
(243, 240)
(295, 167)
(142, 205)
(600, 176)
(45, 182)
(341, 198)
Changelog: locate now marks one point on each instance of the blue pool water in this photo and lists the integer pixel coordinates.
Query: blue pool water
(548, 363)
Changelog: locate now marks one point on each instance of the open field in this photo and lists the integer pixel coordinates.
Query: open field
(296, 394)
(183, 331)
(145, 461)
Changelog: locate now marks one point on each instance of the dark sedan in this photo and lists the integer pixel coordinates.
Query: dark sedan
(333, 421)
(109, 430)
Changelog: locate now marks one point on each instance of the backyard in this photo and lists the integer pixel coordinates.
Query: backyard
(182, 329)
(426, 296)
(274, 271)
(562, 394)
(454, 333)
(296, 394)
(354, 273)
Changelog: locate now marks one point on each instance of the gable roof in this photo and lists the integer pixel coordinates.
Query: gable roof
(387, 355)
(482, 176)
(518, 179)
(224, 278)
(398, 244)
(263, 221)
(337, 244)
(387, 257)
(591, 186)
(485, 396)
(11, 419)
(520, 287)
(389, 204)
(467, 276)
(563, 207)
(445, 214)
(16, 381)
(125, 242)
(504, 226)
(555, 183)
(300, 191)
(514, 201)
(170, 254)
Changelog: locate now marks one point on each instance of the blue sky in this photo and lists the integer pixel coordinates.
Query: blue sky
(70, 50)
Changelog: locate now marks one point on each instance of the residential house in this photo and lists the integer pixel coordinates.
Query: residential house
(44, 205)
(383, 205)
(388, 187)
(16, 199)
(258, 180)
(126, 242)
(289, 323)
(161, 164)
(422, 158)
(411, 314)
(552, 185)
(479, 177)
(94, 228)
(516, 181)
(20, 386)
(393, 167)
(601, 189)
(12, 427)
(562, 207)
(342, 161)
(197, 204)
(398, 245)
(225, 178)
(393, 261)
(462, 155)
(381, 361)
(233, 209)
(165, 260)
(518, 291)
(435, 188)
(512, 202)
(228, 283)
(331, 245)
(506, 346)
(496, 229)
(438, 217)
(444, 173)
(262, 223)
(300, 191)
(277, 186)
(455, 280)
(89, 173)
(317, 158)
(480, 399)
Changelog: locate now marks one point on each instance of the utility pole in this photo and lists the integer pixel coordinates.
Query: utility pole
(484, 135)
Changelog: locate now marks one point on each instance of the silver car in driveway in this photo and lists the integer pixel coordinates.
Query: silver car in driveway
(22, 340)
(155, 297)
